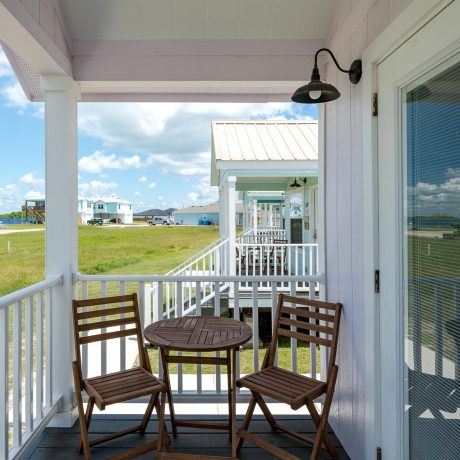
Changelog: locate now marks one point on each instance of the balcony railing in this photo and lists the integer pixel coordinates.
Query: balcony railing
(122, 352)
(27, 401)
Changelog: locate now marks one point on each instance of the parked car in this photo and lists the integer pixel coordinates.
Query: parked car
(95, 221)
(159, 221)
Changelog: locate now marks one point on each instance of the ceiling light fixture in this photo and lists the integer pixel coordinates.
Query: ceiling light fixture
(295, 184)
(317, 91)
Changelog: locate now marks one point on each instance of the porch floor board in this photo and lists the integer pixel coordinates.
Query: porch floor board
(60, 443)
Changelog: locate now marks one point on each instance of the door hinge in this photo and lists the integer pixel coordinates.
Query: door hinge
(379, 453)
(375, 105)
(377, 281)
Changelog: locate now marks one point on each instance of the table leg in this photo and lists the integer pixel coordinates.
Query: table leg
(233, 396)
(164, 361)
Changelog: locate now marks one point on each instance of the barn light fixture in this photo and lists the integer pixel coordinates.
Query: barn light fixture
(317, 91)
(295, 184)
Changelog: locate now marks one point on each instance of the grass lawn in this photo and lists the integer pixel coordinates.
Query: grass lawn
(103, 250)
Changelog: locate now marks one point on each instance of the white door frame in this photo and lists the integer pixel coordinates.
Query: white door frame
(411, 20)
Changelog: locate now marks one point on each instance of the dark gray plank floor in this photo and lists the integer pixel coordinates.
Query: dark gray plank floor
(59, 443)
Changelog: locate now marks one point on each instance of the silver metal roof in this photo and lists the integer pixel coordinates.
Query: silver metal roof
(265, 140)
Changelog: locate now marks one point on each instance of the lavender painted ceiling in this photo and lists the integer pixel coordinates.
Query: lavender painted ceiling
(167, 50)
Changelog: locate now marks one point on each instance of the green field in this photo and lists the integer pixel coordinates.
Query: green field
(103, 250)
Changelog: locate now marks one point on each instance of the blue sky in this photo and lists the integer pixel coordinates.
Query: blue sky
(156, 155)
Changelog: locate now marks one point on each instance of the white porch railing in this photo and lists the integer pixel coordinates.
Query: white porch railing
(123, 353)
(280, 259)
(27, 401)
(265, 235)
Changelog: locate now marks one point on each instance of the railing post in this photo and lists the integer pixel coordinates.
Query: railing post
(61, 95)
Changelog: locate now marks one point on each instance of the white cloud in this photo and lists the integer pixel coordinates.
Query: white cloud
(161, 198)
(137, 193)
(203, 192)
(99, 161)
(142, 179)
(94, 188)
(10, 199)
(34, 195)
(14, 97)
(30, 178)
(152, 185)
(175, 137)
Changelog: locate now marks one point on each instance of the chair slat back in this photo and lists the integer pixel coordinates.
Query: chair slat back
(107, 318)
(312, 321)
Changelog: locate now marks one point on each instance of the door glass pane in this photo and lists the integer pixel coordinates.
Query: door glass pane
(431, 110)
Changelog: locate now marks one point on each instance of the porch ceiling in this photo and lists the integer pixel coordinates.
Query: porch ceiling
(158, 50)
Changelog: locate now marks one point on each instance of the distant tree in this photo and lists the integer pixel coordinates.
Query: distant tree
(11, 214)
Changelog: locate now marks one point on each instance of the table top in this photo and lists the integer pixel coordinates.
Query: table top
(198, 333)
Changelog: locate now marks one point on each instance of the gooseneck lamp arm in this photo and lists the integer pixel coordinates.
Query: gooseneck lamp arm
(317, 91)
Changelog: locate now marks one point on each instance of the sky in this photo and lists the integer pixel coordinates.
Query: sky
(155, 155)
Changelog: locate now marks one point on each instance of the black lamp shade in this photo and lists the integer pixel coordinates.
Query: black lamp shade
(328, 93)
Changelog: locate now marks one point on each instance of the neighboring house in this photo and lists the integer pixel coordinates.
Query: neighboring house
(114, 208)
(85, 210)
(273, 165)
(204, 215)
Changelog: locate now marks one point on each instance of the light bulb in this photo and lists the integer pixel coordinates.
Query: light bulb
(314, 94)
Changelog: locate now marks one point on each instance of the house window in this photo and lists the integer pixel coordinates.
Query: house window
(88, 205)
(100, 206)
(119, 206)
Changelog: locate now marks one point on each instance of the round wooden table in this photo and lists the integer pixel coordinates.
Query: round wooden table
(201, 334)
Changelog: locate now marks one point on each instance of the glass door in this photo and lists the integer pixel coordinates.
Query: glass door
(418, 333)
(431, 242)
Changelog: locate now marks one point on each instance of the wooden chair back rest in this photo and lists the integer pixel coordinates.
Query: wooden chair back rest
(312, 321)
(279, 251)
(92, 318)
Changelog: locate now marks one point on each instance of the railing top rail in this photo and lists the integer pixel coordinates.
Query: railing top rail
(319, 278)
(29, 291)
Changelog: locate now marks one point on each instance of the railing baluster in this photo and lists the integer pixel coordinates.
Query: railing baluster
(103, 342)
(179, 313)
(49, 349)
(311, 288)
(199, 379)
(217, 314)
(293, 341)
(255, 327)
(160, 316)
(17, 374)
(4, 381)
(122, 290)
(29, 339)
(236, 315)
(274, 300)
(145, 312)
(38, 356)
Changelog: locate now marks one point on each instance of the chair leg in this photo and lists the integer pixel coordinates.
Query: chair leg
(148, 412)
(321, 432)
(163, 435)
(89, 413)
(317, 420)
(265, 410)
(246, 422)
(84, 420)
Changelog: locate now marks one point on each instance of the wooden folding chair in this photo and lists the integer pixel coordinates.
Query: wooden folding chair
(316, 323)
(96, 320)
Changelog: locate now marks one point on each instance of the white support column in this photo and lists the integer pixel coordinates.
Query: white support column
(270, 215)
(61, 172)
(230, 221)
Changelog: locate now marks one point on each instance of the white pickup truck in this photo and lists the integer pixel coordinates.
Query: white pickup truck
(159, 221)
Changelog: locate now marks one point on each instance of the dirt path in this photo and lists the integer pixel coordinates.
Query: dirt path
(5, 231)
